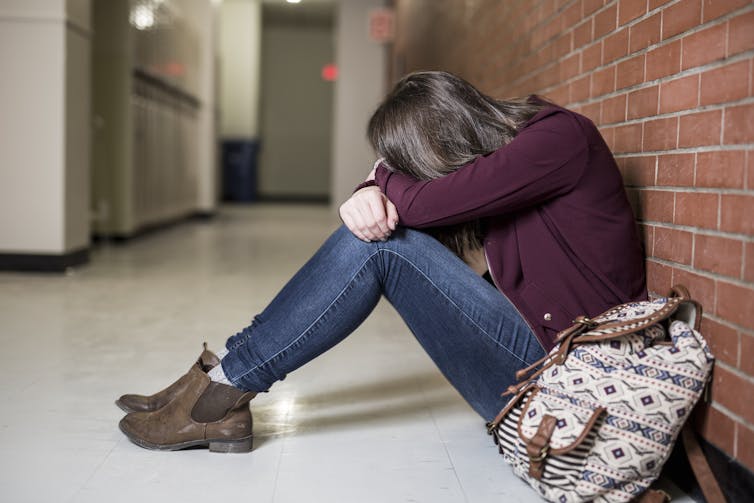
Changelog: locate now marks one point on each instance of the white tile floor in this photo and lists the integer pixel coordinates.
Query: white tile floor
(370, 421)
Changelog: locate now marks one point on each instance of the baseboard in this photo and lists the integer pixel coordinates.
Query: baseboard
(39, 262)
(154, 228)
(291, 199)
(204, 215)
(736, 481)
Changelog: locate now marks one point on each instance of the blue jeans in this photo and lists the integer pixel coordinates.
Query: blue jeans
(470, 330)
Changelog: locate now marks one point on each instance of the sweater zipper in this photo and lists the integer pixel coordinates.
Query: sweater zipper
(492, 275)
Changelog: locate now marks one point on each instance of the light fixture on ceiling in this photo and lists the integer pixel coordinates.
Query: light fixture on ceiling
(293, 1)
(142, 17)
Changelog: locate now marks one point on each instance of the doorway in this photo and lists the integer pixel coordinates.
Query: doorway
(296, 109)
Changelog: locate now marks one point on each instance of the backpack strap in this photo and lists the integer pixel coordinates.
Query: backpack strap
(679, 303)
(653, 496)
(700, 466)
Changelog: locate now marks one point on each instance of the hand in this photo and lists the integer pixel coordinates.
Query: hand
(369, 214)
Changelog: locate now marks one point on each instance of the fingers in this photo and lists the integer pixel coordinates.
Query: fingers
(392, 214)
(378, 216)
(349, 222)
(369, 215)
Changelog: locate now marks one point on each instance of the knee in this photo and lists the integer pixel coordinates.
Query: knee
(403, 237)
(344, 243)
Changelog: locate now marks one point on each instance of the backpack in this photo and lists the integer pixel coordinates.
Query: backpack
(596, 418)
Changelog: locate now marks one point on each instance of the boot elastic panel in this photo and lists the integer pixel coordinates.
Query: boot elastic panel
(216, 400)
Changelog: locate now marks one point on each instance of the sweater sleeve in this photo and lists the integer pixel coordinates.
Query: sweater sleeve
(537, 165)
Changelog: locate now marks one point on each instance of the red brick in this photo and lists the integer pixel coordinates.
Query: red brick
(603, 81)
(749, 270)
(716, 427)
(696, 209)
(644, 33)
(537, 36)
(713, 9)
(580, 89)
(653, 4)
(592, 110)
(628, 10)
(605, 21)
(736, 213)
(723, 341)
(660, 134)
(615, 46)
(656, 205)
(569, 67)
(681, 17)
(701, 288)
(647, 238)
(679, 94)
(724, 168)
(608, 134)
(639, 171)
(718, 255)
(643, 102)
(750, 169)
(728, 83)
(591, 57)
(633, 199)
(727, 390)
(701, 128)
(675, 170)
(571, 16)
(559, 95)
(673, 245)
(552, 28)
(747, 351)
(659, 277)
(562, 45)
(739, 124)
(582, 34)
(745, 445)
(590, 6)
(627, 138)
(735, 303)
(664, 60)
(614, 109)
(740, 34)
(630, 72)
(703, 47)
(546, 9)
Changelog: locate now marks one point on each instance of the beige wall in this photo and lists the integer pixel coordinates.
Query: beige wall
(44, 184)
(207, 15)
(240, 40)
(360, 87)
(77, 137)
(112, 137)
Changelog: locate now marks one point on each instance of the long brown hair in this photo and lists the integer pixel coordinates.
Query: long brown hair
(432, 123)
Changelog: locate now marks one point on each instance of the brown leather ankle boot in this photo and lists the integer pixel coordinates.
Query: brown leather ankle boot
(141, 403)
(202, 413)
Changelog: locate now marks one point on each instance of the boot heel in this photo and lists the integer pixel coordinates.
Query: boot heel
(234, 446)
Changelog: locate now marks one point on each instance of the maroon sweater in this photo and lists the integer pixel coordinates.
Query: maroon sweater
(560, 237)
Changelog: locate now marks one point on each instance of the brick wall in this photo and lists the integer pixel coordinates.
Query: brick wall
(669, 83)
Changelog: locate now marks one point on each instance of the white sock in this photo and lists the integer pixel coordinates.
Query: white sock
(217, 374)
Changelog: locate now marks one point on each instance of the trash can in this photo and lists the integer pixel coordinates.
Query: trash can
(240, 170)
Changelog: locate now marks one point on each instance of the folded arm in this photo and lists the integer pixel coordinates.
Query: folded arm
(530, 170)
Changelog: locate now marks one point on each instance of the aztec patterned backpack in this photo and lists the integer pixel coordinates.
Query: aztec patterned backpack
(596, 418)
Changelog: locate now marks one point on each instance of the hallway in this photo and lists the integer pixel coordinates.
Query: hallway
(370, 421)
